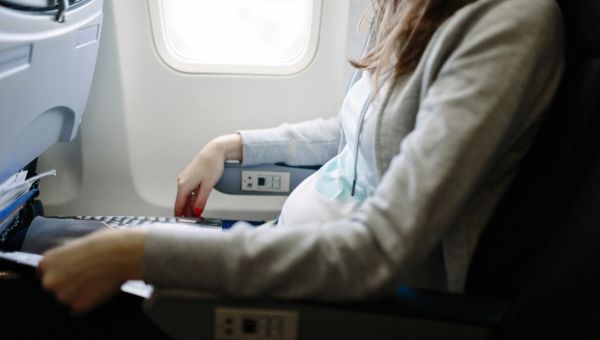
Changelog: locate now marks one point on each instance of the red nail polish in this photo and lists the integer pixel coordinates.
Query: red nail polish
(197, 212)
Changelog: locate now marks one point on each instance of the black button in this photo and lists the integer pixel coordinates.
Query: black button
(249, 326)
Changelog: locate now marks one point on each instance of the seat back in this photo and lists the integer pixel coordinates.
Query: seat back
(541, 248)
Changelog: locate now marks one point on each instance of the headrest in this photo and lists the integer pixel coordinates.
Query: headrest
(582, 20)
(589, 25)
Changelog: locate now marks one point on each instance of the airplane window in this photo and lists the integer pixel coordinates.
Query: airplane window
(236, 36)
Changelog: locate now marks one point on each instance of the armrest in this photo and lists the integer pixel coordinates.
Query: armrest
(232, 182)
(409, 312)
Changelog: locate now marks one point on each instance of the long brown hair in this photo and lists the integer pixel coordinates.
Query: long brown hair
(403, 30)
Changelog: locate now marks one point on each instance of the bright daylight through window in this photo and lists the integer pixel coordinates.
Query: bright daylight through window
(237, 36)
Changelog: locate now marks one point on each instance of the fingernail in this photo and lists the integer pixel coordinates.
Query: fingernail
(197, 212)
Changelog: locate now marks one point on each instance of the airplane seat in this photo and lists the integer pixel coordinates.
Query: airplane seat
(539, 247)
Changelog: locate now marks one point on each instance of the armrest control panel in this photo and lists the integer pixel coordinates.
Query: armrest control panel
(265, 181)
(255, 324)
(262, 180)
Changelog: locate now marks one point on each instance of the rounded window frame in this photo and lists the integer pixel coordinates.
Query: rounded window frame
(176, 62)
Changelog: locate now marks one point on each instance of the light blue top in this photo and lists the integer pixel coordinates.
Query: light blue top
(328, 194)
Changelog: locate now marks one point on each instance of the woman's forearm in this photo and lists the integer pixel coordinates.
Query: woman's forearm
(133, 251)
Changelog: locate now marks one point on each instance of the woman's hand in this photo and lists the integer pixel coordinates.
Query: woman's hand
(197, 180)
(85, 272)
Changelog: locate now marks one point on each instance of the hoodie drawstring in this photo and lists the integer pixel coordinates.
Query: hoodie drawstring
(361, 119)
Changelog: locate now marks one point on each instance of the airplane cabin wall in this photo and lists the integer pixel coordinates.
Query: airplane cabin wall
(145, 121)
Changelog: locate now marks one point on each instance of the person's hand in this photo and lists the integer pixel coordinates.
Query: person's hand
(85, 272)
(196, 181)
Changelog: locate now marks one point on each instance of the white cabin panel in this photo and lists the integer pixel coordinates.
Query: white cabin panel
(145, 120)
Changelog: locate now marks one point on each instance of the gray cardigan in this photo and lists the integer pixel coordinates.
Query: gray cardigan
(449, 140)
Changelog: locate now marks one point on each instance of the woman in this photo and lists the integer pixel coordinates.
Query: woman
(423, 148)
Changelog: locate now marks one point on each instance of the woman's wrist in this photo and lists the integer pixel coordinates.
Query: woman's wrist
(230, 145)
